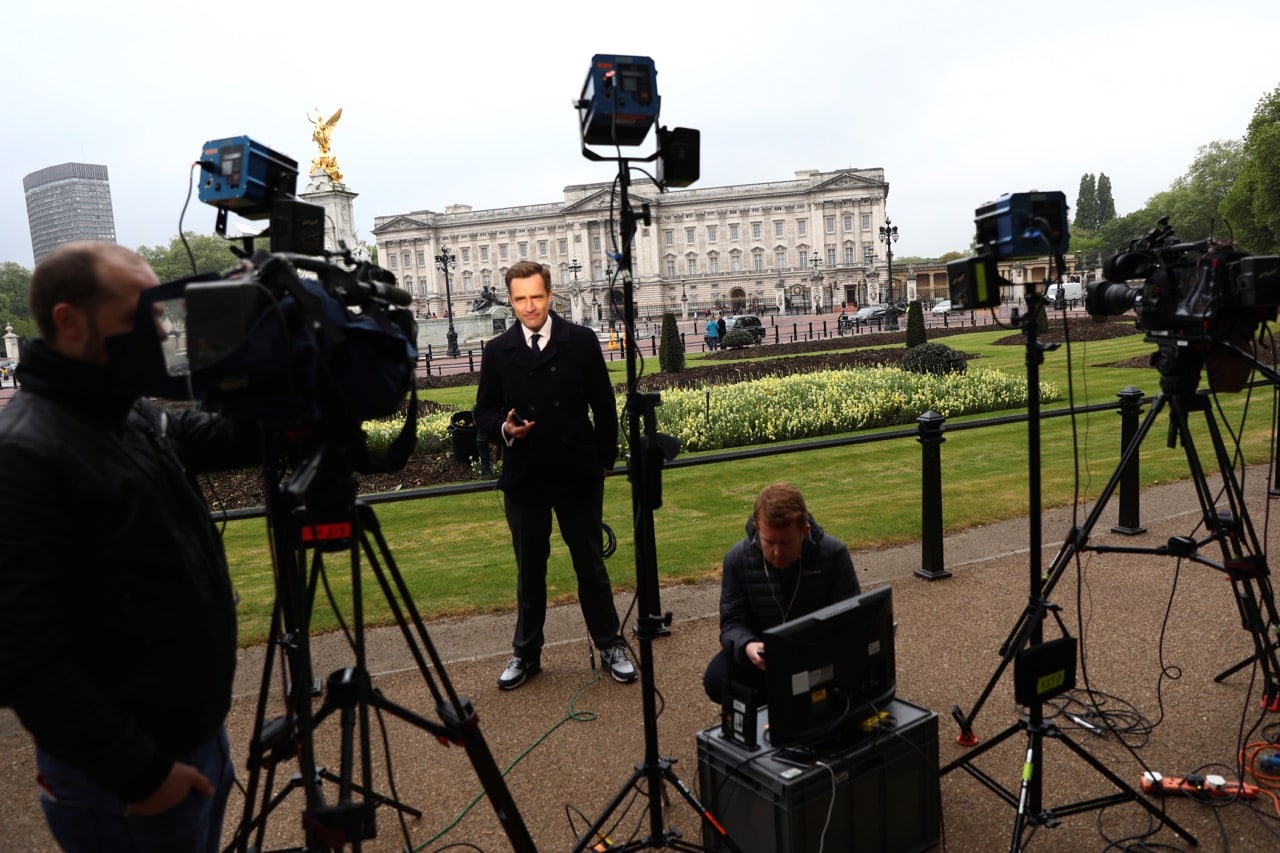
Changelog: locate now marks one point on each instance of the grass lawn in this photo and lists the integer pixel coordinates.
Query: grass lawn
(455, 552)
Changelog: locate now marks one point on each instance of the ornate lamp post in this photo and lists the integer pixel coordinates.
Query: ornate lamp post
(576, 291)
(817, 278)
(608, 289)
(446, 261)
(869, 262)
(684, 301)
(889, 236)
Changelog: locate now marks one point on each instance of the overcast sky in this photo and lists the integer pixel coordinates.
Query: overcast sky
(469, 102)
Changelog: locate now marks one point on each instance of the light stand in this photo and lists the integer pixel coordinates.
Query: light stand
(446, 261)
(648, 451)
(1028, 635)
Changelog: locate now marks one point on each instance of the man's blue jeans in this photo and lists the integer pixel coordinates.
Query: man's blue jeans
(86, 817)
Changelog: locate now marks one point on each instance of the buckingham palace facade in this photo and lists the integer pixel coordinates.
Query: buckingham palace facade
(805, 244)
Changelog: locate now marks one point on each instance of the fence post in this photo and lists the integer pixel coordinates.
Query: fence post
(930, 438)
(471, 361)
(1129, 410)
(1275, 477)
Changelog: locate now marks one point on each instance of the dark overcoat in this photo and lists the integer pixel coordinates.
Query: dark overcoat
(565, 390)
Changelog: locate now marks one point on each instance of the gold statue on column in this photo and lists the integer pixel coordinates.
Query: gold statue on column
(325, 161)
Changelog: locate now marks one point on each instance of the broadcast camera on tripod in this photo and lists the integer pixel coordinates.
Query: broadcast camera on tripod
(1195, 298)
(1200, 303)
(305, 349)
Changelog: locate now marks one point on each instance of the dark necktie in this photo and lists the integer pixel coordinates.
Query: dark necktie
(533, 343)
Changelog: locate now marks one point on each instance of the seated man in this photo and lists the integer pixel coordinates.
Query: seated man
(786, 566)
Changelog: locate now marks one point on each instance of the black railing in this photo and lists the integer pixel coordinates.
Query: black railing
(930, 431)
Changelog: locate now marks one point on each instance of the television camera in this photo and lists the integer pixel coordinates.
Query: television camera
(1205, 291)
(290, 339)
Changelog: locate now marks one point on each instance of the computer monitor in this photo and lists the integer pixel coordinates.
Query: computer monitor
(829, 670)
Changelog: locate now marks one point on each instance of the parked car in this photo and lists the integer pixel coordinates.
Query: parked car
(747, 322)
(872, 313)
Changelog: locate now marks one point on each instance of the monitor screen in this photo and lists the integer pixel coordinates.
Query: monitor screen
(827, 671)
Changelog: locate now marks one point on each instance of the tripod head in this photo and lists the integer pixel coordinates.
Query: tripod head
(325, 482)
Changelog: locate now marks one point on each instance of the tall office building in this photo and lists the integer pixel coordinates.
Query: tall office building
(70, 201)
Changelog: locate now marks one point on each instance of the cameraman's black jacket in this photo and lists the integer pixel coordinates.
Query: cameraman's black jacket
(117, 622)
(755, 596)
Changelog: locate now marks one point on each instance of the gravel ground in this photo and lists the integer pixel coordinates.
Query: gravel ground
(1155, 633)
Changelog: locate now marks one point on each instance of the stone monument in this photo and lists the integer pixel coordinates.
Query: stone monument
(325, 188)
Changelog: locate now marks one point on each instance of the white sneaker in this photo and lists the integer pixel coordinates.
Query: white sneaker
(615, 661)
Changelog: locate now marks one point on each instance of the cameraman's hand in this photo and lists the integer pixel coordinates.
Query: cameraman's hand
(182, 778)
(755, 654)
(516, 427)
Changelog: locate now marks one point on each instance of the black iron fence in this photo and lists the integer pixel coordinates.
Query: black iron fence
(930, 432)
(778, 330)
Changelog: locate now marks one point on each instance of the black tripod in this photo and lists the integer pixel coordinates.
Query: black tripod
(1027, 636)
(649, 450)
(314, 513)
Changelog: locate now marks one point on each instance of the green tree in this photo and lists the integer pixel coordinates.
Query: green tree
(1252, 207)
(1193, 201)
(915, 324)
(15, 281)
(1087, 204)
(201, 253)
(1104, 204)
(670, 350)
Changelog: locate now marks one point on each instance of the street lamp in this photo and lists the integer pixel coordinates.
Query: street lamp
(817, 277)
(575, 268)
(608, 285)
(889, 236)
(446, 261)
(684, 301)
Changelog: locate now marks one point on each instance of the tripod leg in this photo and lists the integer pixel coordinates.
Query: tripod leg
(1126, 791)
(1243, 558)
(1032, 616)
(462, 725)
(1029, 778)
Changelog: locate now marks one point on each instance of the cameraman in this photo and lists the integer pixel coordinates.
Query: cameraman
(785, 566)
(117, 618)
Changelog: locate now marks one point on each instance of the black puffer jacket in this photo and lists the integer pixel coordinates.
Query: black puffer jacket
(117, 620)
(755, 596)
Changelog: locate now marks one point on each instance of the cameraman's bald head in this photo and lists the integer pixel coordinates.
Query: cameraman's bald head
(84, 292)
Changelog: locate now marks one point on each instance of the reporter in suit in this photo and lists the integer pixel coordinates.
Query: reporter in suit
(545, 395)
